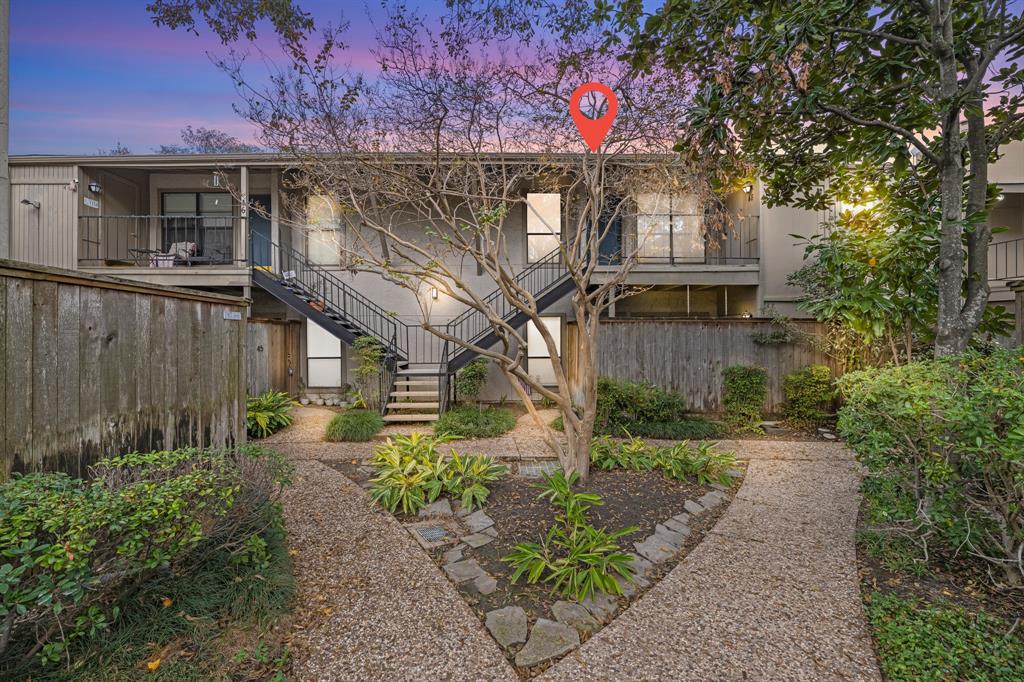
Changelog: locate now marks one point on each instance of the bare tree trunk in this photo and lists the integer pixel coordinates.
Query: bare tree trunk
(949, 337)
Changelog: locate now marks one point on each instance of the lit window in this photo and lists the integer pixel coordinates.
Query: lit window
(543, 225)
(323, 230)
(669, 228)
(539, 360)
(323, 357)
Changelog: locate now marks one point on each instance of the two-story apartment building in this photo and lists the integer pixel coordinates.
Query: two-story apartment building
(192, 221)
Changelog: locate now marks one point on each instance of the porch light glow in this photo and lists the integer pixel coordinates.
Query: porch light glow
(748, 188)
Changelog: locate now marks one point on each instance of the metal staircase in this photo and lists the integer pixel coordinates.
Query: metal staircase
(417, 366)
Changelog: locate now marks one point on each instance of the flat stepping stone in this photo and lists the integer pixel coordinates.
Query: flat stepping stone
(677, 526)
(630, 588)
(574, 615)
(674, 538)
(485, 584)
(548, 640)
(492, 531)
(477, 540)
(453, 555)
(711, 499)
(641, 566)
(440, 508)
(601, 606)
(693, 507)
(461, 571)
(477, 521)
(507, 625)
(655, 549)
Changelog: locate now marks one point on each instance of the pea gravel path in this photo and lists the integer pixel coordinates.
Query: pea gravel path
(770, 594)
(371, 604)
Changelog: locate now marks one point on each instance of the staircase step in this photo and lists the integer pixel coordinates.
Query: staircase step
(425, 372)
(414, 394)
(410, 417)
(413, 406)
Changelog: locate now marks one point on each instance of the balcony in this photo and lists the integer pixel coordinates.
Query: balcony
(677, 253)
(197, 250)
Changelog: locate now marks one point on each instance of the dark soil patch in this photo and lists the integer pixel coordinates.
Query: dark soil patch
(630, 498)
(953, 579)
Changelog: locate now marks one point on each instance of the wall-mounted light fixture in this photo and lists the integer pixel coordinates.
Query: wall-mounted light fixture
(433, 293)
(746, 315)
(748, 188)
(30, 202)
(95, 187)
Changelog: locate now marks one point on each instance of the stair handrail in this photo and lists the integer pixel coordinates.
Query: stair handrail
(356, 307)
(547, 272)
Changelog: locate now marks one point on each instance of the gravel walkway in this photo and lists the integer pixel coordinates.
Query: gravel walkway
(770, 594)
(371, 604)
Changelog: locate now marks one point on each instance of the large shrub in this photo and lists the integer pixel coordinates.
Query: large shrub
(623, 404)
(808, 392)
(943, 442)
(470, 422)
(72, 551)
(267, 412)
(744, 391)
(354, 426)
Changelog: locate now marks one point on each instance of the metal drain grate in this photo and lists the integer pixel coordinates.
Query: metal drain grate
(432, 533)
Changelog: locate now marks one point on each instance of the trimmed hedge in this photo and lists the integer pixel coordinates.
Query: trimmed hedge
(470, 422)
(808, 392)
(354, 426)
(744, 392)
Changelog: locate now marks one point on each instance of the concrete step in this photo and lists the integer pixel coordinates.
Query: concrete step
(414, 406)
(420, 372)
(414, 394)
(410, 417)
(415, 382)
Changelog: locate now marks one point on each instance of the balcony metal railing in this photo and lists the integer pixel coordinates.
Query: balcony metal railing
(1006, 260)
(680, 243)
(158, 241)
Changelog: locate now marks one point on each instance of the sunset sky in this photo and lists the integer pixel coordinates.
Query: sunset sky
(86, 75)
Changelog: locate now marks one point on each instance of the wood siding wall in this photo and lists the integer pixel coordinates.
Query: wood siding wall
(272, 356)
(688, 356)
(92, 366)
(47, 235)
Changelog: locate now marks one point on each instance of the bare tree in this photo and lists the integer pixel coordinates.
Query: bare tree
(201, 140)
(431, 162)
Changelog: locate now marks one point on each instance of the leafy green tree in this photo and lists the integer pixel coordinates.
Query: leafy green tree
(811, 92)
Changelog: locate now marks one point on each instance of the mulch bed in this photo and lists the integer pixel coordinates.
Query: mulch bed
(631, 498)
(959, 580)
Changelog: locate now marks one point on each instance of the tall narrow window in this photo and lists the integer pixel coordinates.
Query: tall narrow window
(669, 228)
(323, 357)
(323, 230)
(539, 360)
(543, 225)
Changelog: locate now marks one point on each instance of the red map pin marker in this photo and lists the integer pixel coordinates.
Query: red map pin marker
(593, 130)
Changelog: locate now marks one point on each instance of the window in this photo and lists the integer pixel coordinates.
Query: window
(323, 230)
(205, 219)
(543, 225)
(323, 357)
(539, 360)
(669, 228)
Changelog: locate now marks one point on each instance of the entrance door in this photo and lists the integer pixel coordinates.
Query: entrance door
(259, 225)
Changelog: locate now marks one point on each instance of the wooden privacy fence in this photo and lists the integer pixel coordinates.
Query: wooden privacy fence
(272, 356)
(688, 356)
(93, 366)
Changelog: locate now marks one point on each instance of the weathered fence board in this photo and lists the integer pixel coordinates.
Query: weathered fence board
(272, 351)
(93, 366)
(688, 356)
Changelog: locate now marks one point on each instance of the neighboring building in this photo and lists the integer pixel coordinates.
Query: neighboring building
(171, 220)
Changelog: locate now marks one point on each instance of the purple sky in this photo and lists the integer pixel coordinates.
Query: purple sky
(86, 75)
